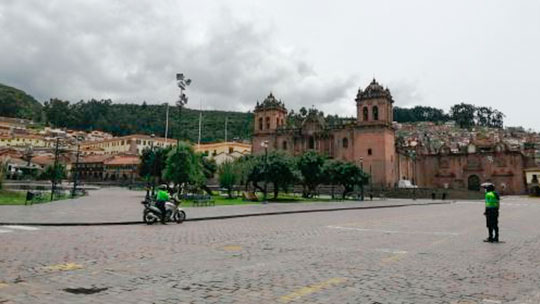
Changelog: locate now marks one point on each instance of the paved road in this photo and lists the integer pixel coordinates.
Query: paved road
(418, 254)
(113, 205)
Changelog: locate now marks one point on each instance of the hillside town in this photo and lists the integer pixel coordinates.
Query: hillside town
(28, 149)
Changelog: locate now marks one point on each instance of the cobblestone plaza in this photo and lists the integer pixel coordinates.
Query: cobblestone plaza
(415, 254)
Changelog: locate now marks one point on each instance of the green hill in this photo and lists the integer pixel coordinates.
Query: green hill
(124, 119)
(16, 103)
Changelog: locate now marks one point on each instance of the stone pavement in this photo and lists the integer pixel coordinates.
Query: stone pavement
(418, 254)
(116, 205)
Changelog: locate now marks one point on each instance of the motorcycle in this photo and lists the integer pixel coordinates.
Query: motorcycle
(152, 214)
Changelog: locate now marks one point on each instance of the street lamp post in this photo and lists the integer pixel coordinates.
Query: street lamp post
(76, 173)
(55, 168)
(153, 163)
(182, 83)
(264, 144)
(362, 183)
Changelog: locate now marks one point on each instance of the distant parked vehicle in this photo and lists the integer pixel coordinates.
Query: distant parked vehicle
(407, 184)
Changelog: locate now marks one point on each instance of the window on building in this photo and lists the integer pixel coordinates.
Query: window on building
(231, 150)
(345, 142)
(284, 145)
(277, 122)
(267, 123)
(311, 144)
(369, 152)
(375, 113)
(260, 123)
(138, 141)
(365, 114)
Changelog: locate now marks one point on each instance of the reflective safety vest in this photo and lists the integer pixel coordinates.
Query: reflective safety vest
(491, 200)
(162, 196)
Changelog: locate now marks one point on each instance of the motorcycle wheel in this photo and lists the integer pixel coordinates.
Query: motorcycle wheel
(179, 217)
(149, 218)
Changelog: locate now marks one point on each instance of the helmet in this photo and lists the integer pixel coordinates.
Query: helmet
(162, 187)
(489, 187)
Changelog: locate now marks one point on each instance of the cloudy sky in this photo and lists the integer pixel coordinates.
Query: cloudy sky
(307, 52)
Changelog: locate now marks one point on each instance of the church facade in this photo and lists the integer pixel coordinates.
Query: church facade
(370, 142)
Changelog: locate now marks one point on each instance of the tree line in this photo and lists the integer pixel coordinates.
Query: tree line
(189, 171)
(124, 119)
(465, 115)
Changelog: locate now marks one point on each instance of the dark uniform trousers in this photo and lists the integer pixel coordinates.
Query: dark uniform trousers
(492, 222)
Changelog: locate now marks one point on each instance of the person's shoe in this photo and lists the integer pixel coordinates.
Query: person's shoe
(488, 240)
(495, 240)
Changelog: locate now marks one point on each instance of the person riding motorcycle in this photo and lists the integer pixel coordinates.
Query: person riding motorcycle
(162, 196)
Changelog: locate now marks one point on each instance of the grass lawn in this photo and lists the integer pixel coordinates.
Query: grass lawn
(282, 198)
(12, 197)
(19, 197)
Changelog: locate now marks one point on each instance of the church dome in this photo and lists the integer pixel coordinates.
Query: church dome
(270, 103)
(374, 90)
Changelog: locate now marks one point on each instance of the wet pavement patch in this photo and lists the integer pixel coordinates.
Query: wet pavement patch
(82, 290)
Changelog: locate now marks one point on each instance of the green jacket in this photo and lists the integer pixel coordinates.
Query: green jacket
(492, 200)
(162, 196)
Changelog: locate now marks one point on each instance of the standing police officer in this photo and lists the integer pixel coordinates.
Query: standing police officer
(492, 214)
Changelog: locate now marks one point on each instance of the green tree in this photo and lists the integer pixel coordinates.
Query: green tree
(54, 173)
(346, 174)
(256, 169)
(153, 162)
(280, 171)
(59, 113)
(330, 174)
(244, 166)
(463, 114)
(228, 176)
(310, 165)
(183, 167)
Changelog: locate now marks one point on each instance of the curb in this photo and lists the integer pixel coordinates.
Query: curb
(223, 217)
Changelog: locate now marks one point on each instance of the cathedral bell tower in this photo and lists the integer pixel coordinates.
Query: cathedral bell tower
(374, 105)
(270, 115)
(374, 134)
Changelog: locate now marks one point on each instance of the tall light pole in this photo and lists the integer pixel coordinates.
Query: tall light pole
(264, 144)
(76, 172)
(182, 83)
(153, 163)
(55, 168)
(362, 183)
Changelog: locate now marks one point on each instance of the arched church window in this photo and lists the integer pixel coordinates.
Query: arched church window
(345, 142)
(267, 123)
(260, 123)
(277, 122)
(375, 113)
(284, 145)
(311, 143)
(365, 114)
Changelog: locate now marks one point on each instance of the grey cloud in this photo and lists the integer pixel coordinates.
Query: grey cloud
(130, 52)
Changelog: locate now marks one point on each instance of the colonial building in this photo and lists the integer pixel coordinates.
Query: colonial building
(127, 144)
(482, 161)
(370, 142)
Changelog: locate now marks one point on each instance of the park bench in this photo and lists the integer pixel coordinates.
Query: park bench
(33, 196)
(200, 200)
